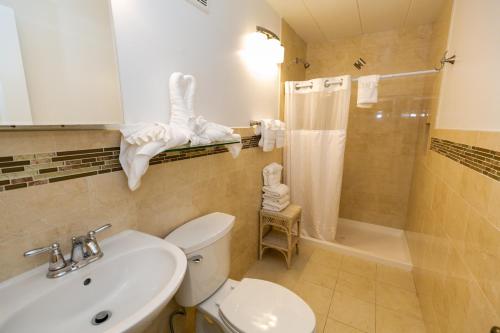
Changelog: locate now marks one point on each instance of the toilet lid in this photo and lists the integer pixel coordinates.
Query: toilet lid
(256, 306)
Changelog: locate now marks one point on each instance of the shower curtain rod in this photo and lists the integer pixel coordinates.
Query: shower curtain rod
(386, 76)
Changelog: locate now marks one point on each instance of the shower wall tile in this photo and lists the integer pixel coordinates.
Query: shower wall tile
(290, 71)
(381, 141)
(454, 240)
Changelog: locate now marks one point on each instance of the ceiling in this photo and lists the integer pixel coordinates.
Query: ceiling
(327, 20)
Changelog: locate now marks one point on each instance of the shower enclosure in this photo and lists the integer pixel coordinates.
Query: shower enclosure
(317, 112)
(351, 169)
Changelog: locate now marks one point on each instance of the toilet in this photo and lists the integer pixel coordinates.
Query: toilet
(225, 305)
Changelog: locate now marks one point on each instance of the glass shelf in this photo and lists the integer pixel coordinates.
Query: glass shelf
(213, 144)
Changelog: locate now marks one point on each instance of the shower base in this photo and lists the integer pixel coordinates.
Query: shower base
(369, 241)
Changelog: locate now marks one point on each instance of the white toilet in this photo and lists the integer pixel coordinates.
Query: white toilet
(225, 305)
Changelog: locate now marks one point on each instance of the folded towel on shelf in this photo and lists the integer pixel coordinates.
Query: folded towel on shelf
(272, 174)
(140, 143)
(275, 207)
(368, 91)
(281, 200)
(276, 191)
(204, 132)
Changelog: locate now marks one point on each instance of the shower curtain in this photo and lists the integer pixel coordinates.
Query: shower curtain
(316, 118)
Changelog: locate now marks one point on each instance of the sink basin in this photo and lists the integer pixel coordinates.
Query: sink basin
(137, 276)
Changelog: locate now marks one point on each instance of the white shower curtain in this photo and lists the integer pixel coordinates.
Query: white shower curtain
(314, 155)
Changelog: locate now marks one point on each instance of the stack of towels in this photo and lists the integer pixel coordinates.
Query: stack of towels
(276, 196)
(272, 132)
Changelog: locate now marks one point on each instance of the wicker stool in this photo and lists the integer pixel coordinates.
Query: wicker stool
(280, 231)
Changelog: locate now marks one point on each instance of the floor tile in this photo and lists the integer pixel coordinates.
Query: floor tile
(389, 321)
(319, 274)
(317, 297)
(327, 258)
(353, 312)
(359, 266)
(333, 326)
(356, 286)
(396, 277)
(398, 299)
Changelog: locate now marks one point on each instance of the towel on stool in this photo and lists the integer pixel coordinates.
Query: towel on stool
(274, 206)
(268, 198)
(272, 174)
(276, 191)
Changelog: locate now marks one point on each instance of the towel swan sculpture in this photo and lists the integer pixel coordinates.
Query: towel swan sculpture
(140, 142)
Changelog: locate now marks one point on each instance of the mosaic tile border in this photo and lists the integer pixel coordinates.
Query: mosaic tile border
(22, 171)
(482, 160)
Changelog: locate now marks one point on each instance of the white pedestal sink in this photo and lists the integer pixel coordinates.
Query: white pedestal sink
(137, 276)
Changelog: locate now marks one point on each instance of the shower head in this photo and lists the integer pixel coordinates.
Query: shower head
(302, 61)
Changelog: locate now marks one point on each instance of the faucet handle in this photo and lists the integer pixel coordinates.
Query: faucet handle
(91, 233)
(56, 258)
(40, 250)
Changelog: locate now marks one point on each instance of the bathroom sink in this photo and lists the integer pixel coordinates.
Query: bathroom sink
(137, 276)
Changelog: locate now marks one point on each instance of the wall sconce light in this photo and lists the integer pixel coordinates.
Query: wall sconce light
(269, 45)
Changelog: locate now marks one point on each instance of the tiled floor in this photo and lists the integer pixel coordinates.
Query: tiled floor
(347, 294)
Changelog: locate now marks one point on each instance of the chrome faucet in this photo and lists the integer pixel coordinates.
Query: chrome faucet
(84, 250)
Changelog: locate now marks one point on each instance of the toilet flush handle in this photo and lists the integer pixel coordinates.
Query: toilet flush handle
(197, 258)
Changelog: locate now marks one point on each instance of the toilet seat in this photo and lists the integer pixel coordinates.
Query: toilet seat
(257, 306)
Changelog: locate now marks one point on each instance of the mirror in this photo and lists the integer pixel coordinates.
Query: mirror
(58, 63)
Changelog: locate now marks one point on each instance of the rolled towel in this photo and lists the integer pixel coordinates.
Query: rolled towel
(267, 135)
(276, 191)
(275, 207)
(272, 174)
(281, 200)
(368, 91)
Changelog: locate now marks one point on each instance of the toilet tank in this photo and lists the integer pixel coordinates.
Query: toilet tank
(206, 243)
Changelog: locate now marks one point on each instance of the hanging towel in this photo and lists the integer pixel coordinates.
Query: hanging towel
(276, 191)
(268, 135)
(368, 91)
(275, 207)
(272, 174)
(279, 128)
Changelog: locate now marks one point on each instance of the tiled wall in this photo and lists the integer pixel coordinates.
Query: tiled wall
(295, 47)
(171, 194)
(381, 141)
(453, 226)
(454, 238)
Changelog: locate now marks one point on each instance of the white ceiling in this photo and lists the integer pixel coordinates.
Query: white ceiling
(324, 20)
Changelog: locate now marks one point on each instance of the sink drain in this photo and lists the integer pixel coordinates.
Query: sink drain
(101, 317)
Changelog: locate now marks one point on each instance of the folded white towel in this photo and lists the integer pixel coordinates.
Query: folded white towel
(272, 174)
(280, 200)
(276, 191)
(134, 157)
(274, 207)
(204, 132)
(368, 91)
(142, 133)
(267, 135)
(279, 128)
